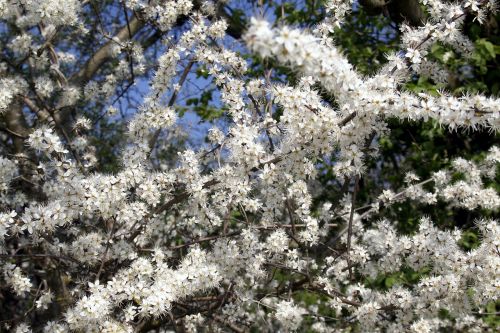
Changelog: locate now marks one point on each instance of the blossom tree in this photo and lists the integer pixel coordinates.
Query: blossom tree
(118, 216)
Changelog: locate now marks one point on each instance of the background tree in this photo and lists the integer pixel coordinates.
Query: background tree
(139, 139)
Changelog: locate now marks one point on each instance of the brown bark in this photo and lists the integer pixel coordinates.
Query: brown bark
(96, 61)
(399, 11)
(16, 123)
(103, 54)
(406, 11)
(126, 33)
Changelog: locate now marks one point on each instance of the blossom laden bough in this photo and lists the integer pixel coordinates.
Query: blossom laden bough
(241, 231)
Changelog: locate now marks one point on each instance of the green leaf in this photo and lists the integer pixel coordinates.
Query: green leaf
(390, 281)
(486, 48)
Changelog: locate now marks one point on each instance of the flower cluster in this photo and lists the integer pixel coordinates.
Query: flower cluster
(242, 230)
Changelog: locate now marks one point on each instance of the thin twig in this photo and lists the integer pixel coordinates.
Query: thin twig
(40, 256)
(349, 228)
(171, 102)
(108, 243)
